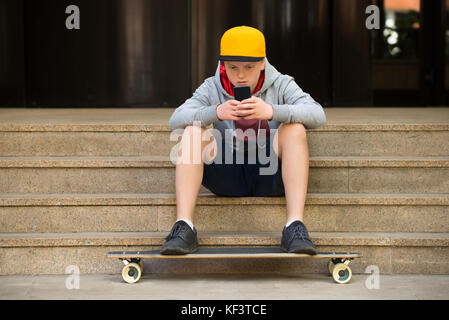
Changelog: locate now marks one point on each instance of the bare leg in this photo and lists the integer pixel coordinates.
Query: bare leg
(294, 153)
(189, 172)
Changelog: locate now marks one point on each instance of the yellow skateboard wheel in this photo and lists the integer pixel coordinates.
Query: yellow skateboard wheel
(131, 273)
(341, 273)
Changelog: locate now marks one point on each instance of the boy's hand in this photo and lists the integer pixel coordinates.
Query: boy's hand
(228, 110)
(254, 108)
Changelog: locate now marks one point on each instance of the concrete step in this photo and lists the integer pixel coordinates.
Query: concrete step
(325, 212)
(154, 174)
(52, 253)
(136, 132)
(128, 140)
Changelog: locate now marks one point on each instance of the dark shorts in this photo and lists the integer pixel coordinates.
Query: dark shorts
(244, 179)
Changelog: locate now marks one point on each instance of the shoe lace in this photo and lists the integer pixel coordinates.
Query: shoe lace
(299, 232)
(175, 231)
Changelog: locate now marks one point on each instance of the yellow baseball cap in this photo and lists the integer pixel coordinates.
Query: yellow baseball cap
(242, 44)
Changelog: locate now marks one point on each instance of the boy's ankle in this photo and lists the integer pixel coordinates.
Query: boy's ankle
(189, 222)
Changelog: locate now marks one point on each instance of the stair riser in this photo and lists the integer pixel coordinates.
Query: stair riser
(85, 143)
(321, 143)
(325, 218)
(157, 179)
(92, 259)
(379, 143)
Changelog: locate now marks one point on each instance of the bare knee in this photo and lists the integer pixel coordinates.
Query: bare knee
(197, 139)
(296, 130)
(288, 132)
(190, 131)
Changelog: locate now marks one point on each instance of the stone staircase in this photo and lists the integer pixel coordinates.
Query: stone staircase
(77, 183)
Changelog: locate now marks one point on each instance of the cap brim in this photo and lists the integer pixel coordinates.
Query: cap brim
(239, 58)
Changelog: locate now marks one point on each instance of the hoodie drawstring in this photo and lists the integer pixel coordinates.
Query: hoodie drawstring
(258, 133)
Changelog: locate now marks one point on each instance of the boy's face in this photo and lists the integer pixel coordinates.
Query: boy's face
(243, 73)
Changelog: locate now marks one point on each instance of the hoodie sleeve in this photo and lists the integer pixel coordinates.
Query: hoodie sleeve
(197, 108)
(299, 107)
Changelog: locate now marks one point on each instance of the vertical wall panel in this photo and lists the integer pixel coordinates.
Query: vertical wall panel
(12, 63)
(351, 63)
(299, 43)
(126, 53)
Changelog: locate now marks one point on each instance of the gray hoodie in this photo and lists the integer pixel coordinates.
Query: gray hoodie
(290, 105)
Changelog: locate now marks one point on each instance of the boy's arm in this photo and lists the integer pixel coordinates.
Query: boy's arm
(197, 108)
(299, 107)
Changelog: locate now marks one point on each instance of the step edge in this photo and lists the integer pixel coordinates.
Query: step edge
(126, 127)
(96, 239)
(165, 162)
(210, 199)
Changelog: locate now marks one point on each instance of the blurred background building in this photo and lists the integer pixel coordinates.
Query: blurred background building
(153, 53)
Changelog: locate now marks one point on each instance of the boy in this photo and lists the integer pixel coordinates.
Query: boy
(278, 109)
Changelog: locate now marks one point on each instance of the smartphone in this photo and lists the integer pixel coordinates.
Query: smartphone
(242, 93)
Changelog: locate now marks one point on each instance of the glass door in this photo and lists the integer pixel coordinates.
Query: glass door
(395, 56)
(410, 53)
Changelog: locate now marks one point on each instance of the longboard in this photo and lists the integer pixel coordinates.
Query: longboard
(132, 271)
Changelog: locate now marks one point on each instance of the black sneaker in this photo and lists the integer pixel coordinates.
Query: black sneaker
(181, 240)
(295, 239)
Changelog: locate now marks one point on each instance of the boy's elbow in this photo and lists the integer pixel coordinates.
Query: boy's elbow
(317, 116)
(174, 124)
(322, 119)
(320, 115)
(171, 124)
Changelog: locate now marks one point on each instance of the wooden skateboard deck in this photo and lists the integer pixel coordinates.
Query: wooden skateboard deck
(132, 271)
(247, 252)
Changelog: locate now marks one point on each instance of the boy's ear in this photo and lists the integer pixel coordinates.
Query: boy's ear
(263, 65)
